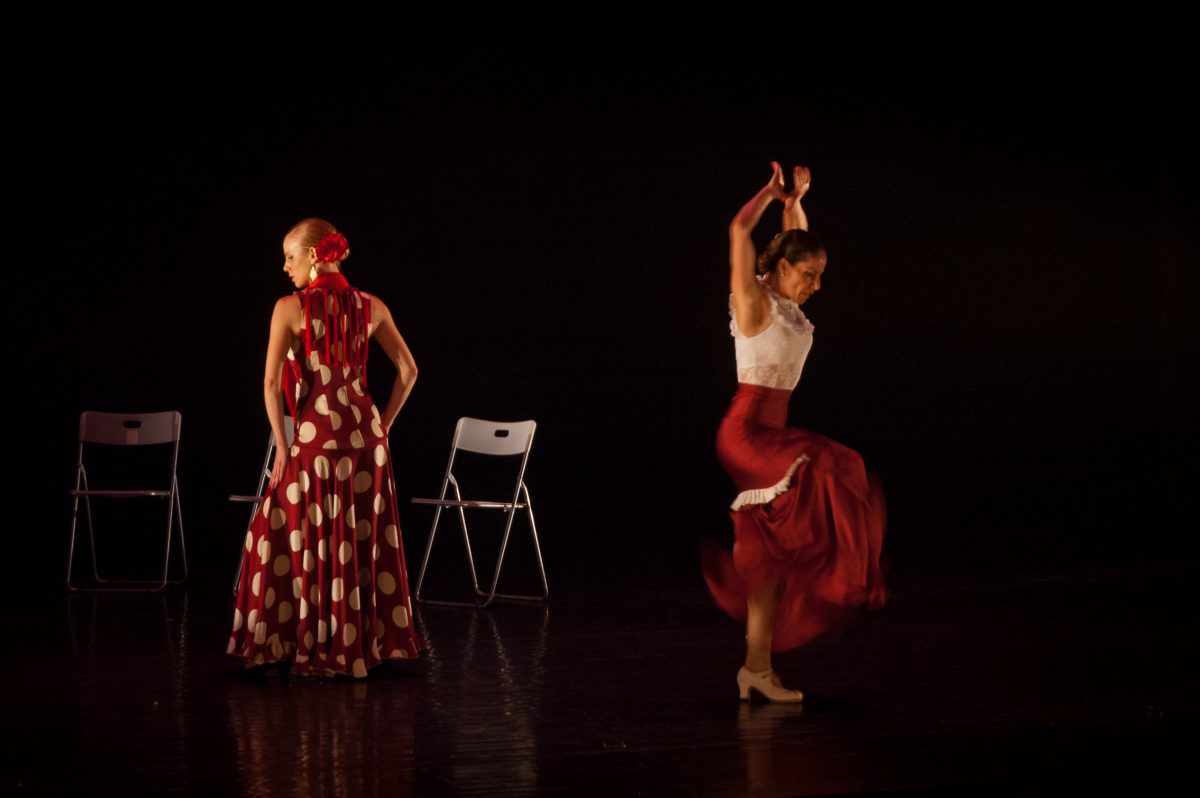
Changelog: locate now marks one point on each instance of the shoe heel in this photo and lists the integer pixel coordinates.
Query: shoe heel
(743, 685)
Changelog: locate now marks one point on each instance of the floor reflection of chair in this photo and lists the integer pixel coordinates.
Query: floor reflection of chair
(114, 635)
(473, 672)
(489, 438)
(128, 617)
(129, 430)
(255, 501)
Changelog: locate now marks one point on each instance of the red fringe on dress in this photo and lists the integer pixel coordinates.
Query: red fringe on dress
(821, 536)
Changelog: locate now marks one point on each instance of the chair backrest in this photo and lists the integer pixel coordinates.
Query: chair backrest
(129, 429)
(494, 437)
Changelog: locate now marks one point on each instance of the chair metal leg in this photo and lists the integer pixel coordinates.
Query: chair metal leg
(79, 477)
(182, 542)
(462, 519)
(491, 595)
(87, 506)
(170, 522)
(237, 576)
(71, 543)
(484, 598)
(174, 511)
(81, 483)
(174, 516)
(437, 515)
(263, 474)
(537, 546)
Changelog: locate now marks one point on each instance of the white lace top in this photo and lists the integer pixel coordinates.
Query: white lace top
(775, 357)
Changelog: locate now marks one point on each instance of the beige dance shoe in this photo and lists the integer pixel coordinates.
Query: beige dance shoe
(761, 681)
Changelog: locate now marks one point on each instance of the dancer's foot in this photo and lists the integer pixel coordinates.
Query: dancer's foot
(768, 686)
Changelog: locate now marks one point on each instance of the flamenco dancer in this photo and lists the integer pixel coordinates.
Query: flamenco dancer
(809, 520)
(324, 585)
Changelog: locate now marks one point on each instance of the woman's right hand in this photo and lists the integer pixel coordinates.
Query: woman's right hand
(280, 466)
(774, 186)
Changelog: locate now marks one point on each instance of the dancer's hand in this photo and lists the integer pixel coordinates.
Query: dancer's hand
(794, 217)
(280, 466)
(801, 180)
(774, 186)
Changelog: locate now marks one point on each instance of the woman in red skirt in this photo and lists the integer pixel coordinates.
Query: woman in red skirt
(324, 585)
(808, 520)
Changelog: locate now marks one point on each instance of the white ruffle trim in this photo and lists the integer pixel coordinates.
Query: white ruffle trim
(764, 495)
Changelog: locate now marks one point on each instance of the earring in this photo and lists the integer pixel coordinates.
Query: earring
(312, 274)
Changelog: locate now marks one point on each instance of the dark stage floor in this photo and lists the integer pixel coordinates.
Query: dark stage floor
(997, 681)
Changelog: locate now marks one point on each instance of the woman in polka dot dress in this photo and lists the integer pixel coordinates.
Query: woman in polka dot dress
(324, 585)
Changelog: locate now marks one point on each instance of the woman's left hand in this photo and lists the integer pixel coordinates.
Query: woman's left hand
(801, 180)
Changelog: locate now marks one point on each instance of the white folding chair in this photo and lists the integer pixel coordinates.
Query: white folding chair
(127, 429)
(255, 501)
(501, 439)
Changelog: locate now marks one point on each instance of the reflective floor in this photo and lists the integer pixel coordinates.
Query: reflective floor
(994, 682)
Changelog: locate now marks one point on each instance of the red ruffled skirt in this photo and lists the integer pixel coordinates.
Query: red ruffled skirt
(821, 536)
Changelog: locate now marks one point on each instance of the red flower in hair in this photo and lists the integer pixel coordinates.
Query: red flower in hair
(332, 248)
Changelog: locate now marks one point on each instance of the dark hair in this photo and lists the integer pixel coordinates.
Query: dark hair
(792, 245)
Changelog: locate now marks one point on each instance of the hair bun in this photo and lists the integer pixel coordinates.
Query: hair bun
(792, 245)
(763, 264)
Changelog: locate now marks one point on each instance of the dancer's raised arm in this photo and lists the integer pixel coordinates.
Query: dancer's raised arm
(753, 311)
(794, 217)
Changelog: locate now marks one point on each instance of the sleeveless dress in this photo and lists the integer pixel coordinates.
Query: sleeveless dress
(324, 582)
(807, 511)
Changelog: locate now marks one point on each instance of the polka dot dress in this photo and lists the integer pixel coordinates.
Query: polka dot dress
(324, 582)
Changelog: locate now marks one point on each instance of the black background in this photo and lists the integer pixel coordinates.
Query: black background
(1004, 331)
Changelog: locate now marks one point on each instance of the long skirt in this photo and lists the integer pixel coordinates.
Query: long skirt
(808, 515)
(324, 583)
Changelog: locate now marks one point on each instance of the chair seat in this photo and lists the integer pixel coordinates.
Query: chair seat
(122, 493)
(240, 498)
(472, 503)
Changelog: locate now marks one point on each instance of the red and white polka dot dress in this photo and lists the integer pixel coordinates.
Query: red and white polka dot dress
(324, 582)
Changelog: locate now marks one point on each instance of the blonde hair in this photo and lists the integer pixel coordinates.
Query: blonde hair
(311, 231)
